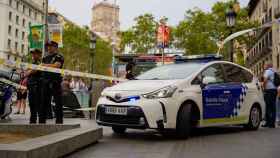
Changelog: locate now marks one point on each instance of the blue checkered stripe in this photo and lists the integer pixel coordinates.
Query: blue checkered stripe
(240, 101)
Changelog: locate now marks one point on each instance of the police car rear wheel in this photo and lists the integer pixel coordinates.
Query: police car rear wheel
(183, 129)
(255, 118)
(119, 130)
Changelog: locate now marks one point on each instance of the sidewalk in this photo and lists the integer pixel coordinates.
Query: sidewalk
(24, 119)
(74, 134)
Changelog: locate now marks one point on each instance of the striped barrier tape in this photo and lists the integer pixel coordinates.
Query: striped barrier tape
(26, 66)
(17, 86)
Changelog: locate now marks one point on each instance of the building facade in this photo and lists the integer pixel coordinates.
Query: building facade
(105, 21)
(265, 49)
(16, 17)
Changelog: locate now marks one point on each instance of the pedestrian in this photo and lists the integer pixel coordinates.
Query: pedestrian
(65, 85)
(21, 94)
(278, 107)
(129, 71)
(270, 94)
(34, 87)
(51, 83)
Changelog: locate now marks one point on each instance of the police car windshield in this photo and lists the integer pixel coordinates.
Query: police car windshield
(171, 72)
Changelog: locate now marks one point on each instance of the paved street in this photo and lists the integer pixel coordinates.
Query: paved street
(206, 143)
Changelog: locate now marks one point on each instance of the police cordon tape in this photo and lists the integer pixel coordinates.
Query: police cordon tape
(63, 72)
(17, 86)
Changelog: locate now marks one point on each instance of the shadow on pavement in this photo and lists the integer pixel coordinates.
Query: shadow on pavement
(153, 135)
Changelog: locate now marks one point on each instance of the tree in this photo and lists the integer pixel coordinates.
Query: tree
(200, 31)
(142, 36)
(77, 53)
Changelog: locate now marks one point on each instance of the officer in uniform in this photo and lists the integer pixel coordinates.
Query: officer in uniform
(51, 83)
(33, 85)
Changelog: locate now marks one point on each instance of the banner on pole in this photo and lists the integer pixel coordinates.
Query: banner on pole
(56, 34)
(36, 37)
(163, 35)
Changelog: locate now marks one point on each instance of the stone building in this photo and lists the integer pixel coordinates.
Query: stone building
(16, 16)
(105, 21)
(266, 49)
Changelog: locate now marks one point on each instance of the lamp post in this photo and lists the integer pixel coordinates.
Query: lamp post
(92, 46)
(46, 12)
(231, 20)
(114, 37)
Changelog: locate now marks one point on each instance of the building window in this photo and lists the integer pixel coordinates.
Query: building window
(17, 19)
(17, 5)
(10, 30)
(10, 16)
(23, 9)
(23, 22)
(30, 12)
(8, 57)
(16, 46)
(10, 2)
(43, 18)
(16, 33)
(35, 15)
(22, 48)
(277, 61)
(9, 44)
(22, 35)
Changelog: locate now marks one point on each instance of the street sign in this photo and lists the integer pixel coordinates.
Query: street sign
(56, 34)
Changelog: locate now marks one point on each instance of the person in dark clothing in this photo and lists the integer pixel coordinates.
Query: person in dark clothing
(270, 94)
(51, 83)
(34, 86)
(129, 71)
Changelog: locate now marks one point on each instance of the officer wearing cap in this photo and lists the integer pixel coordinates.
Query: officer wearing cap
(51, 82)
(33, 85)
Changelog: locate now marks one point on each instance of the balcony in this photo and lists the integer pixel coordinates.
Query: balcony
(277, 12)
(260, 49)
(251, 60)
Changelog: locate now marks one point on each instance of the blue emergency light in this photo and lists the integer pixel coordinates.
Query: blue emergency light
(198, 58)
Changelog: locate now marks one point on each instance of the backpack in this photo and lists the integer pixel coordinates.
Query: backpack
(276, 79)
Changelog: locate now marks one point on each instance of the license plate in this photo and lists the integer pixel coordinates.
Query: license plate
(116, 110)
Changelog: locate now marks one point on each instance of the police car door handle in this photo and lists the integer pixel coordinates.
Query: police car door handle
(226, 92)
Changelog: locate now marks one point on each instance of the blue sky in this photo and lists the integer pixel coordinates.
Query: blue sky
(79, 11)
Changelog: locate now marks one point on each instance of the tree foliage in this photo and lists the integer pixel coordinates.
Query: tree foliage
(142, 36)
(78, 55)
(200, 31)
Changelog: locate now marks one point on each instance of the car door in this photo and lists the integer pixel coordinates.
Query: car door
(215, 95)
(239, 83)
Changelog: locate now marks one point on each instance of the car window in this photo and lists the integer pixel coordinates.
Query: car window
(236, 74)
(215, 71)
(170, 72)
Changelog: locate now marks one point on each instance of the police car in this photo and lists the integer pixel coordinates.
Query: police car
(183, 96)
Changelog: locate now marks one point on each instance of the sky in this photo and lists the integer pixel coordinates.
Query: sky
(79, 11)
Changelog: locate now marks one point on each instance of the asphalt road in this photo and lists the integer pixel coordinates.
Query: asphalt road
(229, 142)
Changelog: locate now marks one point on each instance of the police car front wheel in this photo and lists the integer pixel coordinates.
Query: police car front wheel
(255, 118)
(184, 126)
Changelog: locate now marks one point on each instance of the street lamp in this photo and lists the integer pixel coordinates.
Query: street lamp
(231, 20)
(92, 46)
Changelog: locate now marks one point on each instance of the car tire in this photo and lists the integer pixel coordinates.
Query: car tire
(254, 118)
(184, 125)
(119, 130)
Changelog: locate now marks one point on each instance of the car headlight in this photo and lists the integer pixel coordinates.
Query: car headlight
(165, 92)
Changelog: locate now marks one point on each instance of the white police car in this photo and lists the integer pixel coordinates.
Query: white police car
(184, 96)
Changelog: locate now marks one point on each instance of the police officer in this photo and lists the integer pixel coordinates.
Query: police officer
(33, 85)
(51, 83)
